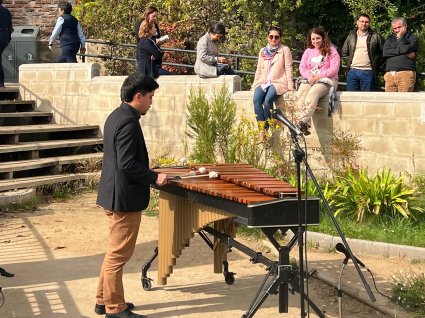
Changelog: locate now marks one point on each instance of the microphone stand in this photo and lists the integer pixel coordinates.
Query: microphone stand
(341, 234)
(299, 156)
(339, 291)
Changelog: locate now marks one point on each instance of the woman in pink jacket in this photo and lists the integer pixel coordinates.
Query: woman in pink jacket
(273, 77)
(319, 68)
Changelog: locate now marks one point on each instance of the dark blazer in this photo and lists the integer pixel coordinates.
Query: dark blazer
(136, 34)
(126, 177)
(395, 51)
(145, 50)
(5, 26)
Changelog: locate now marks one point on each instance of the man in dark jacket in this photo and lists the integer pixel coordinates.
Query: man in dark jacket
(71, 35)
(362, 51)
(400, 50)
(5, 35)
(124, 190)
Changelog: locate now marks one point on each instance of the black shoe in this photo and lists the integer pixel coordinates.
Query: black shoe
(304, 128)
(125, 314)
(100, 309)
(4, 272)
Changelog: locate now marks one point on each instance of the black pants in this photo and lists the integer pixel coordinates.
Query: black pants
(224, 69)
(2, 47)
(69, 52)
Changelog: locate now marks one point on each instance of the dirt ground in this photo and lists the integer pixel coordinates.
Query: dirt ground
(56, 252)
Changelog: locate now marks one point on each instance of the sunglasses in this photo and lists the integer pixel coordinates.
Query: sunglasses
(276, 37)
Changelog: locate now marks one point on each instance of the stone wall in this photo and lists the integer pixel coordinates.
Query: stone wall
(391, 126)
(76, 94)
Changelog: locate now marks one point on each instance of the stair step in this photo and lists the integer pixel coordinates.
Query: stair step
(9, 92)
(45, 162)
(50, 144)
(21, 183)
(25, 118)
(25, 114)
(16, 105)
(13, 135)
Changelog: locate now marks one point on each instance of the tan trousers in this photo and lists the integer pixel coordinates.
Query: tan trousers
(401, 81)
(123, 231)
(307, 99)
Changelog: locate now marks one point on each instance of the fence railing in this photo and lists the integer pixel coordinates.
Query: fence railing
(236, 58)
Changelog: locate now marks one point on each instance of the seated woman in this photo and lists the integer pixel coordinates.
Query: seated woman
(208, 63)
(149, 55)
(273, 77)
(319, 68)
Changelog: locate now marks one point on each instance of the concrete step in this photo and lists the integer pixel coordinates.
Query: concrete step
(50, 144)
(25, 118)
(10, 106)
(51, 165)
(12, 135)
(9, 92)
(22, 183)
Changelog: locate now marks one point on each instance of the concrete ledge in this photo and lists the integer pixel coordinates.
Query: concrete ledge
(362, 247)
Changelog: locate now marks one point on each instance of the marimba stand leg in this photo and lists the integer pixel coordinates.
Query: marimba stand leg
(282, 270)
(147, 282)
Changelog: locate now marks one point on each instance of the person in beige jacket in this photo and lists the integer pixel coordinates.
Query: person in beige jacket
(273, 77)
(208, 64)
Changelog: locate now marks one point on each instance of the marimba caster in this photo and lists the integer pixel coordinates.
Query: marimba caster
(146, 283)
(229, 277)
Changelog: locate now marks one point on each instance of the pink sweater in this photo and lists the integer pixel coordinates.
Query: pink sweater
(312, 62)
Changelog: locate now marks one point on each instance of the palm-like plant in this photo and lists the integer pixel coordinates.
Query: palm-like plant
(385, 193)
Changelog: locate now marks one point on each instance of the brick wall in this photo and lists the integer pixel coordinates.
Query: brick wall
(41, 13)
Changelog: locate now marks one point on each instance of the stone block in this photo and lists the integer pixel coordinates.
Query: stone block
(363, 126)
(376, 145)
(45, 76)
(378, 110)
(387, 127)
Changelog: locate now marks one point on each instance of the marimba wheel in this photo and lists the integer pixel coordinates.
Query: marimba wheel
(229, 278)
(146, 284)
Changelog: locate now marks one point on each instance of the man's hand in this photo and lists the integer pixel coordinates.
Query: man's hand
(222, 59)
(162, 179)
(82, 50)
(50, 46)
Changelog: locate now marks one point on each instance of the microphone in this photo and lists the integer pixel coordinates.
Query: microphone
(341, 248)
(277, 114)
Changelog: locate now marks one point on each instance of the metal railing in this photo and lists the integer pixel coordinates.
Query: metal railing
(235, 57)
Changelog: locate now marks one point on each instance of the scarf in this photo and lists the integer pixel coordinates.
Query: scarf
(268, 53)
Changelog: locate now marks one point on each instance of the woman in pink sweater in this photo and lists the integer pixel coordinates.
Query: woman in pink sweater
(273, 77)
(319, 68)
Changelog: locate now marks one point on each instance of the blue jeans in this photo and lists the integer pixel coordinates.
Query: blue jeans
(265, 98)
(360, 80)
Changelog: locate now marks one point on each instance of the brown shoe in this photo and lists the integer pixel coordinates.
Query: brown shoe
(304, 128)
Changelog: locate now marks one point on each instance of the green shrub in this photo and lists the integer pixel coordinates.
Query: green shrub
(210, 124)
(354, 192)
(408, 291)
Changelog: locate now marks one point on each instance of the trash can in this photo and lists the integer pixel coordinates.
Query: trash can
(22, 49)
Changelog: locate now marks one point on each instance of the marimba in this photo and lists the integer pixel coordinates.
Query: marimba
(240, 194)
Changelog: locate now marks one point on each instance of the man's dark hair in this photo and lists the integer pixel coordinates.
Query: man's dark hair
(65, 6)
(134, 84)
(218, 28)
(1, 2)
(364, 15)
